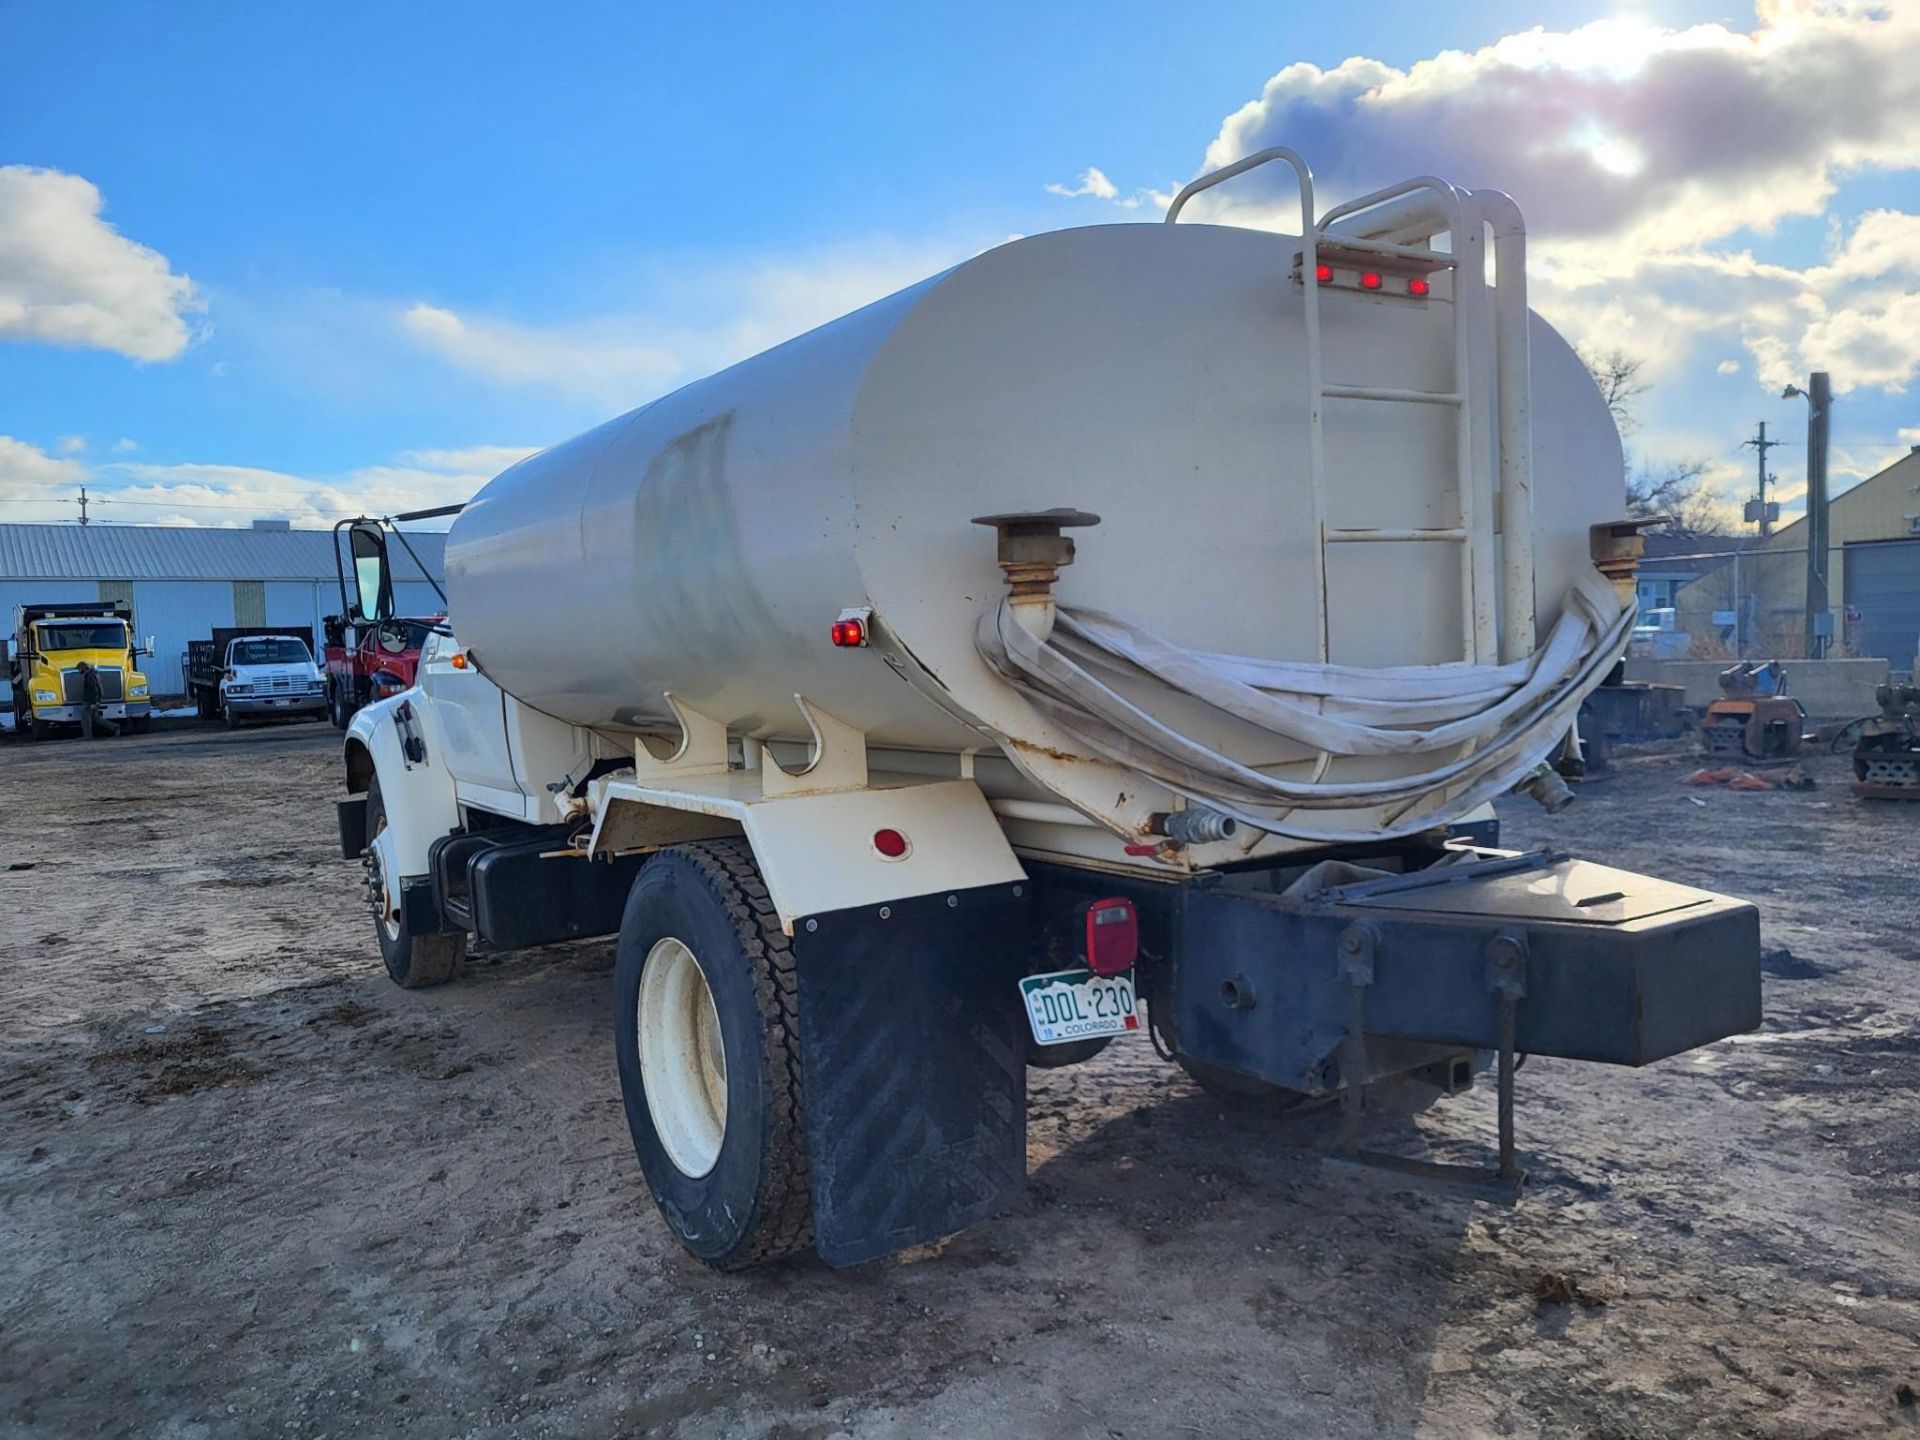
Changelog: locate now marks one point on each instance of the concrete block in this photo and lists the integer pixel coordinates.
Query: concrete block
(1830, 689)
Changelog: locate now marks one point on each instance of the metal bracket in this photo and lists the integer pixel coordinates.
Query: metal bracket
(839, 758)
(1357, 946)
(702, 749)
(1507, 982)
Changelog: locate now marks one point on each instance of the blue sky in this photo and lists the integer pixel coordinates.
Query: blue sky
(297, 260)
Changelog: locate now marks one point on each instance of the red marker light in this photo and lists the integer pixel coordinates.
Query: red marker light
(1370, 280)
(1417, 286)
(891, 844)
(1323, 274)
(849, 634)
(1113, 936)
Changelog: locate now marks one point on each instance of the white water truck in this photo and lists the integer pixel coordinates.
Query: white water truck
(1117, 636)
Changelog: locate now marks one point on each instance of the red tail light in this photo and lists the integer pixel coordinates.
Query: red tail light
(891, 844)
(1417, 286)
(1113, 936)
(849, 634)
(1323, 274)
(1370, 280)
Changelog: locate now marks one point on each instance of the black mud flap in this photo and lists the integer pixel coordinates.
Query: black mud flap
(915, 1067)
(352, 813)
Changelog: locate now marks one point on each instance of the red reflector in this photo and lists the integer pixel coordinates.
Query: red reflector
(1113, 936)
(890, 843)
(849, 634)
(1323, 274)
(1369, 279)
(1417, 286)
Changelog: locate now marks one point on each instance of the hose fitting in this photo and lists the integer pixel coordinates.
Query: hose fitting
(1543, 784)
(1193, 827)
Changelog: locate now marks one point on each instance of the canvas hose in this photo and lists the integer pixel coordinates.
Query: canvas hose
(1479, 729)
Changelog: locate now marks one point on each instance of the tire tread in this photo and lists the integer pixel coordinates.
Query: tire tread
(785, 1201)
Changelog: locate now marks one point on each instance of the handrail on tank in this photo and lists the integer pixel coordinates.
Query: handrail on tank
(1240, 167)
(1514, 389)
(1310, 286)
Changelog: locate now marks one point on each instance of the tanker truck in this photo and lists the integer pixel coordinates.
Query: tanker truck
(1117, 638)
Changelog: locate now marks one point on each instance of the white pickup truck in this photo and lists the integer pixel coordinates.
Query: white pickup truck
(255, 674)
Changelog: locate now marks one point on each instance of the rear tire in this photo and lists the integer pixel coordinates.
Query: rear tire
(706, 1036)
(413, 961)
(337, 710)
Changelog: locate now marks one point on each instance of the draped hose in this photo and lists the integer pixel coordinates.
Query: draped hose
(1508, 717)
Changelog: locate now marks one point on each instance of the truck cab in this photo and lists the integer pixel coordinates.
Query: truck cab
(268, 675)
(368, 660)
(51, 642)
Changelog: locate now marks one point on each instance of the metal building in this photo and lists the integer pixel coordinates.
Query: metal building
(183, 581)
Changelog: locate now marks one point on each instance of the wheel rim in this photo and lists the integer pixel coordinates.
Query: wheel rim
(375, 880)
(683, 1059)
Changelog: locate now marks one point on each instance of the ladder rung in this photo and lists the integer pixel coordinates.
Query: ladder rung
(1378, 392)
(1334, 240)
(1455, 533)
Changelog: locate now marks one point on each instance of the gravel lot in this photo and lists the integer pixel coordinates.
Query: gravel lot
(249, 1188)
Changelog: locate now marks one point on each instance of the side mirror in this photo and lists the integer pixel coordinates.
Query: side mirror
(372, 578)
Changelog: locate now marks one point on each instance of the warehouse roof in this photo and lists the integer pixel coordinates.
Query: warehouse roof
(178, 552)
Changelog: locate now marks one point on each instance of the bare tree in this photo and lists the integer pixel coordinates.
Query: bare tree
(1677, 489)
(1618, 376)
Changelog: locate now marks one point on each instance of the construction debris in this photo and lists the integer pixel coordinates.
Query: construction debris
(1754, 716)
(1886, 760)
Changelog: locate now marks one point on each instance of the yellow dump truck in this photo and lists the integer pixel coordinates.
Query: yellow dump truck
(50, 642)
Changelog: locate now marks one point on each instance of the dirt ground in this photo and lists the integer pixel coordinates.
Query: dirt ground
(249, 1188)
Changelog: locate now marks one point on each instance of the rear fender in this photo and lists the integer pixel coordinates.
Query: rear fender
(817, 852)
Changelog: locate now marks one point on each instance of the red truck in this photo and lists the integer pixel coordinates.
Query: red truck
(368, 660)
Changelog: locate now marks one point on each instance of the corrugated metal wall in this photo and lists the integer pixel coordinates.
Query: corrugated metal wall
(1883, 588)
(174, 612)
(416, 597)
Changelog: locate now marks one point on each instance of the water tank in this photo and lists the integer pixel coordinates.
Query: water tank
(1151, 374)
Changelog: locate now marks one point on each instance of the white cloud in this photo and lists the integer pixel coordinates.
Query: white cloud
(1620, 134)
(1093, 181)
(595, 357)
(691, 321)
(72, 444)
(1727, 367)
(124, 446)
(30, 480)
(487, 459)
(35, 486)
(69, 278)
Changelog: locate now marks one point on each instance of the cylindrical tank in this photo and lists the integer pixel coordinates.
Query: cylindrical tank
(1151, 374)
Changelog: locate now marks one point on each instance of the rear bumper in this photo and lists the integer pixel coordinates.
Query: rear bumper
(1616, 968)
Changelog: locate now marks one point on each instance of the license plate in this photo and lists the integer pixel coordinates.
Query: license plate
(1078, 1005)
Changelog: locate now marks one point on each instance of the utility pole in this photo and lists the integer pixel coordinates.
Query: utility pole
(1758, 509)
(83, 504)
(1819, 618)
